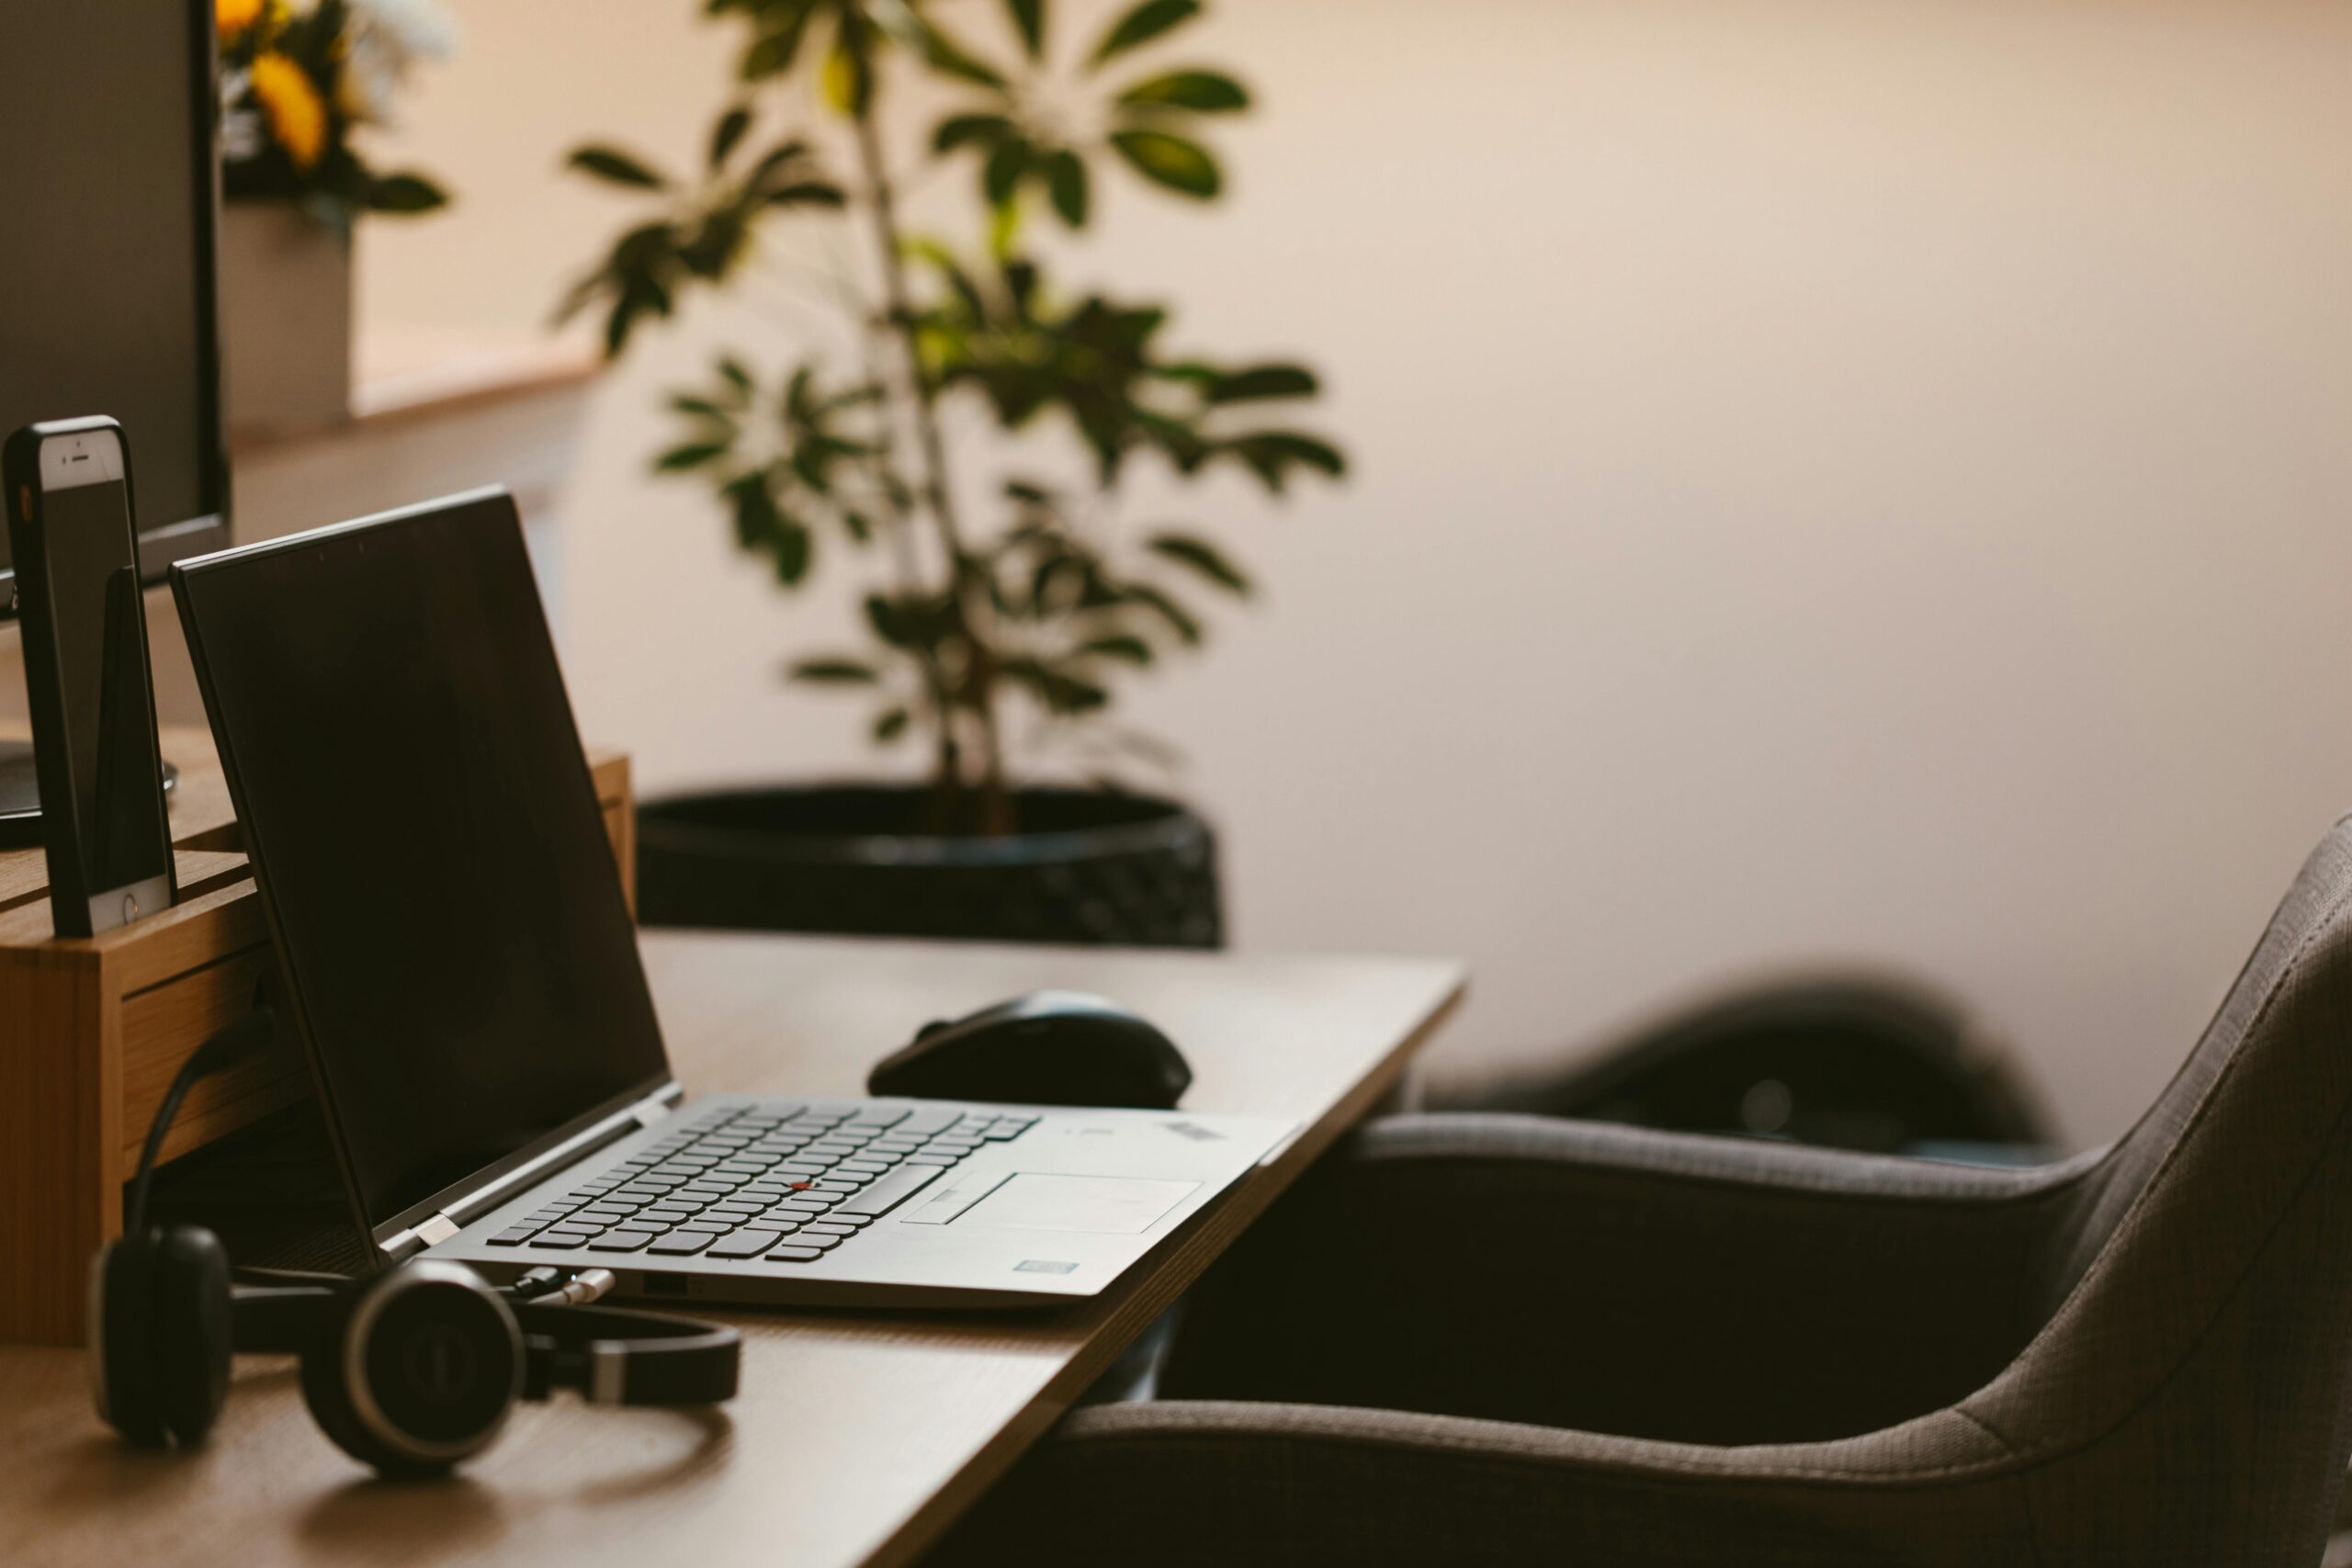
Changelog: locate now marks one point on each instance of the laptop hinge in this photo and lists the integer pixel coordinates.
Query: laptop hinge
(616, 1125)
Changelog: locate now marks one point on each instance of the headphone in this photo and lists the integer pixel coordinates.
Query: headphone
(411, 1370)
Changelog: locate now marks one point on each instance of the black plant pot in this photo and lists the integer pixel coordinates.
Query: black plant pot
(1086, 867)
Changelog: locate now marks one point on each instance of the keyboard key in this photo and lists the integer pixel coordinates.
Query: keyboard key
(883, 1115)
(854, 1221)
(795, 1255)
(620, 1241)
(890, 1191)
(937, 1162)
(516, 1236)
(745, 1244)
(807, 1238)
(680, 1244)
(707, 1227)
(827, 1227)
(867, 1167)
(928, 1120)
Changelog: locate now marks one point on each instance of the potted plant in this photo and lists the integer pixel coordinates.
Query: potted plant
(295, 85)
(1000, 605)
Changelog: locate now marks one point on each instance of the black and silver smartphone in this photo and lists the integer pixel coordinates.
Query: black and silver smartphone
(86, 676)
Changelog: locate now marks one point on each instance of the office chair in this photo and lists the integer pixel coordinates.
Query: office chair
(1874, 1062)
(1494, 1338)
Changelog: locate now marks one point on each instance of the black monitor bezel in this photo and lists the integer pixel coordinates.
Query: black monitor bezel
(160, 546)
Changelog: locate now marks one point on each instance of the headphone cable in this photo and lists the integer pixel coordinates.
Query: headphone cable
(222, 1050)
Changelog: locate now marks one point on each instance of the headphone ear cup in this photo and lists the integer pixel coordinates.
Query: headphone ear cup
(123, 1379)
(195, 1338)
(329, 1396)
(159, 1317)
(415, 1369)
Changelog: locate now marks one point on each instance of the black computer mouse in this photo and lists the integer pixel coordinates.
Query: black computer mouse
(1047, 1048)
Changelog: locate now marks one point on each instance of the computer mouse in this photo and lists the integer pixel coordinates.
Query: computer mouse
(1047, 1048)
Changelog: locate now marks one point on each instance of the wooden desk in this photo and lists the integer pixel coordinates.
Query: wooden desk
(859, 1435)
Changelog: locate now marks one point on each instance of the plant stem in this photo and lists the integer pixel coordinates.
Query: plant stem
(971, 609)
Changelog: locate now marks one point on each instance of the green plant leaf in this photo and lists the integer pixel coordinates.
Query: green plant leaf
(890, 623)
(1057, 688)
(1179, 620)
(789, 549)
(949, 58)
(1029, 20)
(1140, 26)
(1173, 162)
(1005, 168)
(808, 193)
(730, 370)
(1272, 454)
(774, 50)
(889, 724)
(1065, 182)
(727, 133)
(693, 455)
(835, 673)
(1262, 383)
(404, 192)
(777, 164)
(757, 519)
(1202, 91)
(614, 167)
(981, 130)
(700, 408)
(1121, 645)
(1201, 557)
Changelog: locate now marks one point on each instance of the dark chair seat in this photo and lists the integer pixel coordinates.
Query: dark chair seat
(1496, 1338)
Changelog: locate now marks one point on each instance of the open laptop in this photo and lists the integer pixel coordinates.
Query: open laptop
(463, 973)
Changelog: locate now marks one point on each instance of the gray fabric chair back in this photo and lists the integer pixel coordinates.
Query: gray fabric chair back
(2195, 1297)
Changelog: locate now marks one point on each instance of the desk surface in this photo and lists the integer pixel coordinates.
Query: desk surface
(859, 1435)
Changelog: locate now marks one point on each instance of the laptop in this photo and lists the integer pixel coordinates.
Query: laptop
(468, 994)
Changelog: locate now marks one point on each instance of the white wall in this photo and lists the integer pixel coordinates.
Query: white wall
(1836, 479)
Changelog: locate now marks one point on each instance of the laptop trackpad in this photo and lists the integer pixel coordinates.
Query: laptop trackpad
(1116, 1205)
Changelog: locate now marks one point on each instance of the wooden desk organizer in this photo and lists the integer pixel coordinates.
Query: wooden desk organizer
(92, 1030)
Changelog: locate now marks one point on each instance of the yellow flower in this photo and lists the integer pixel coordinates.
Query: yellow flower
(233, 16)
(298, 117)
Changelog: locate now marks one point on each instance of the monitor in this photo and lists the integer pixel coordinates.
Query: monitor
(109, 180)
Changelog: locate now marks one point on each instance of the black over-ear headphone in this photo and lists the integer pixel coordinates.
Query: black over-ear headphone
(410, 1370)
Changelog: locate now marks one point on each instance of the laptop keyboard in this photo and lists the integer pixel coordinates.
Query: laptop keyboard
(788, 1183)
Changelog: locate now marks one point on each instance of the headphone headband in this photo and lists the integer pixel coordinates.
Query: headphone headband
(615, 1357)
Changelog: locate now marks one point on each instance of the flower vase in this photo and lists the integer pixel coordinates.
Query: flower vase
(284, 318)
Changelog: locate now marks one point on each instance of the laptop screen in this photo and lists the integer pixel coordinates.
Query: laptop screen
(427, 838)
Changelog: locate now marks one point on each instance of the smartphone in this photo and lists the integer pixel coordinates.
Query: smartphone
(86, 676)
